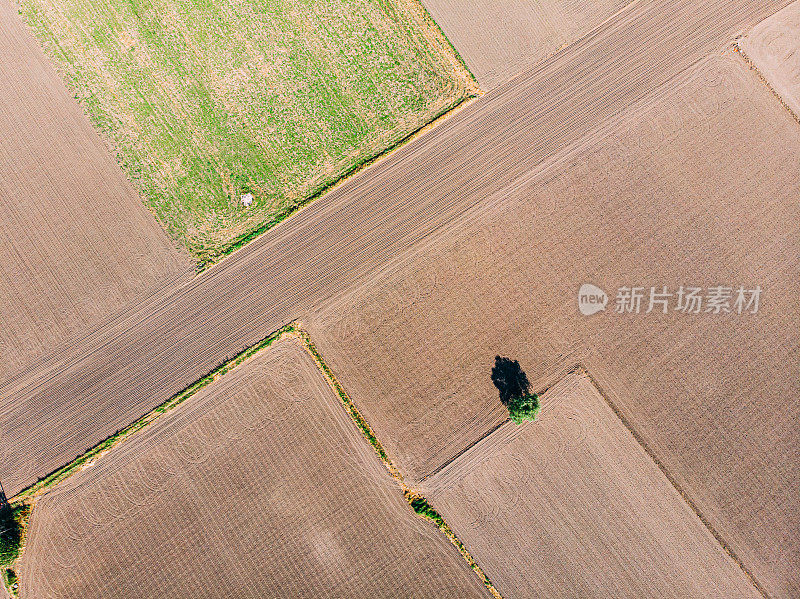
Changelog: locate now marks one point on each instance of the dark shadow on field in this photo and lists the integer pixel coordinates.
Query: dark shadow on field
(510, 380)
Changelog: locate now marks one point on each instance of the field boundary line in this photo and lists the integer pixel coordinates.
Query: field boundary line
(487, 434)
(524, 63)
(29, 496)
(737, 48)
(446, 463)
(428, 17)
(581, 369)
(89, 456)
(243, 240)
(415, 499)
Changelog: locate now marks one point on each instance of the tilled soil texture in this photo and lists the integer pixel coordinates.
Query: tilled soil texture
(79, 396)
(76, 243)
(498, 39)
(572, 506)
(260, 485)
(207, 102)
(774, 46)
(695, 187)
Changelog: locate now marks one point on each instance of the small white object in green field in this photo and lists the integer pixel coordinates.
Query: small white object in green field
(247, 199)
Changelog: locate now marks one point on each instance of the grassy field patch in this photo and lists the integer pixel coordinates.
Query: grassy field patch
(204, 102)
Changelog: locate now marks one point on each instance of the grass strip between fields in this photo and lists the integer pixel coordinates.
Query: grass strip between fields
(737, 47)
(416, 501)
(24, 502)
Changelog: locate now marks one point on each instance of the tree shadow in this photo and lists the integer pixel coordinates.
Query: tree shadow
(510, 380)
(514, 388)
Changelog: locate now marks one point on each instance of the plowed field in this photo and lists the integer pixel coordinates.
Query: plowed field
(774, 47)
(572, 506)
(499, 38)
(76, 243)
(697, 186)
(259, 486)
(81, 395)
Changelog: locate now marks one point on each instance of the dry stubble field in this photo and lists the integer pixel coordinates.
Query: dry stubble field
(572, 506)
(774, 47)
(498, 39)
(710, 394)
(258, 486)
(76, 243)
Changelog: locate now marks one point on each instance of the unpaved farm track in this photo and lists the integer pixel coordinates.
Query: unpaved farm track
(75, 240)
(51, 413)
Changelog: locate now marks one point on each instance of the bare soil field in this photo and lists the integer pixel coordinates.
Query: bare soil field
(76, 242)
(260, 485)
(572, 506)
(774, 46)
(82, 394)
(79, 396)
(497, 40)
(672, 193)
(205, 102)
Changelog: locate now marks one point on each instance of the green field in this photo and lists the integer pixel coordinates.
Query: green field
(206, 100)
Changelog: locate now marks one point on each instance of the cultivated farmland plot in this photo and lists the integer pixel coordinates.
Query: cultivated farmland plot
(76, 243)
(774, 47)
(259, 486)
(85, 392)
(672, 193)
(206, 102)
(499, 38)
(572, 506)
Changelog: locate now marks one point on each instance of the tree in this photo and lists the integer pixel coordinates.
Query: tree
(9, 535)
(514, 387)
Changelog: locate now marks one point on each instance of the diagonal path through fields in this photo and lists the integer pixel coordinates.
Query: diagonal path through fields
(71, 401)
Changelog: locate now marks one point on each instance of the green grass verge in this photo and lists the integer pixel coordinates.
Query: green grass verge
(65, 471)
(425, 510)
(12, 527)
(356, 416)
(205, 101)
(416, 501)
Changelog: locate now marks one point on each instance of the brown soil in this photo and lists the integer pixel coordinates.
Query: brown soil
(81, 394)
(688, 188)
(76, 243)
(259, 486)
(671, 192)
(774, 46)
(498, 39)
(572, 506)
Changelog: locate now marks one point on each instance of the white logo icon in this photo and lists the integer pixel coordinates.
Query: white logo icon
(591, 299)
